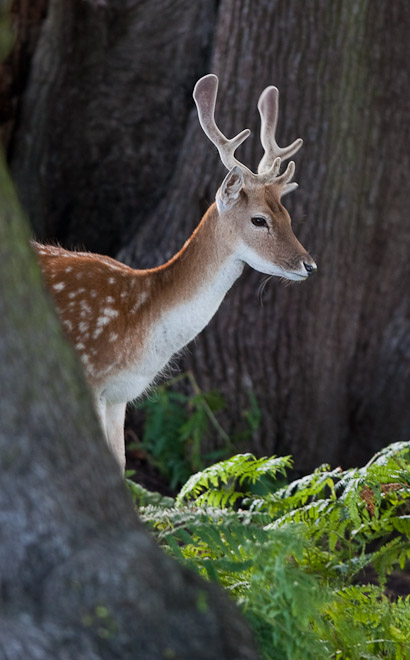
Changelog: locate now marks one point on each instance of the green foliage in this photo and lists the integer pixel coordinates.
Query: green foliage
(177, 423)
(295, 557)
(225, 483)
(357, 517)
(365, 624)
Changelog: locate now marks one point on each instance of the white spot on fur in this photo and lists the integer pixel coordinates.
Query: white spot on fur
(67, 324)
(102, 321)
(109, 311)
(109, 299)
(93, 294)
(85, 359)
(68, 269)
(85, 307)
(50, 250)
(59, 287)
(108, 314)
(113, 336)
(83, 326)
(86, 311)
(79, 346)
(111, 280)
(140, 300)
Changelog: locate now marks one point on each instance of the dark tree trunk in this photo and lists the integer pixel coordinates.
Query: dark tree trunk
(105, 114)
(110, 153)
(80, 577)
(26, 17)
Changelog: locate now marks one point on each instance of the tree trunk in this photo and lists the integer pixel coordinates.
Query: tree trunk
(110, 153)
(101, 124)
(80, 577)
(26, 17)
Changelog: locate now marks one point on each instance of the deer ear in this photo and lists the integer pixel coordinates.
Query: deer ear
(228, 193)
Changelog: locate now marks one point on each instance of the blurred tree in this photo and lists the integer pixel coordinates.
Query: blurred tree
(80, 577)
(109, 154)
(27, 17)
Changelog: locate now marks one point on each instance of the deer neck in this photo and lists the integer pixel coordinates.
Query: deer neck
(205, 263)
(191, 286)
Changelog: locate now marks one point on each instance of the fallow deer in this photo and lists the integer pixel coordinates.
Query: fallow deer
(126, 324)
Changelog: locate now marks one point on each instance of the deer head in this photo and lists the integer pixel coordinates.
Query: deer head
(249, 202)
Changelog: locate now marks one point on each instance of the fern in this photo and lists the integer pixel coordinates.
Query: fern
(283, 603)
(379, 628)
(224, 483)
(294, 557)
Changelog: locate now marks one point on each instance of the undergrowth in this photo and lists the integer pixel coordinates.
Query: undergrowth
(308, 561)
(177, 423)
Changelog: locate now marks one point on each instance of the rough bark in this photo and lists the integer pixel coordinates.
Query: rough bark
(328, 360)
(80, 577)
(26, 17)
(105, 113)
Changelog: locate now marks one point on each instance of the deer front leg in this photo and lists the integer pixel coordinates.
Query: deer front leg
(114, 429)
(112, 418)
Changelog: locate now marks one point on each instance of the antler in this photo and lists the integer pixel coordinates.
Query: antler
(205, 93)
(268, 106)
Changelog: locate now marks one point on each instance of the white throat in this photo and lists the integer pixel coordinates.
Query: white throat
(186, 320)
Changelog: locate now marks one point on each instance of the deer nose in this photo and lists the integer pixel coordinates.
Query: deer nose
(310, 267)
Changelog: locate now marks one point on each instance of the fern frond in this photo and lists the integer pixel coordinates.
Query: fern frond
(231, 479)
(396, 451)
(319, 484)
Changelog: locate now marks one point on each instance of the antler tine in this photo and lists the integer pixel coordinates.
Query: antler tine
(283, 180)
(205, 93)
(289, 187)
(268, 109)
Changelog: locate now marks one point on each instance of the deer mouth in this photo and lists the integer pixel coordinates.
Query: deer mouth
(294, 276)
(306, 268)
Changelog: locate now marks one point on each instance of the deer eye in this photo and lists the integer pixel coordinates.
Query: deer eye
(258, 221)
